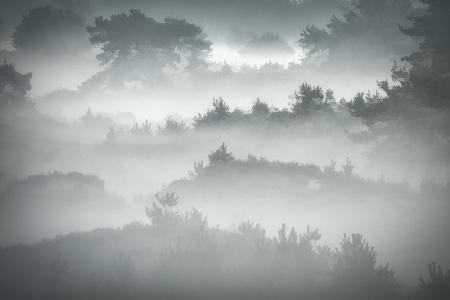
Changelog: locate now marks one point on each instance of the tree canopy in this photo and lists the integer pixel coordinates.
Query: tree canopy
(424, 80)
(126, 36)
(48, 28)
(429, 76)
(361, 20)
(308, 99)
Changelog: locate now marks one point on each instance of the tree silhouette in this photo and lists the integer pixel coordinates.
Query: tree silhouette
(48, 28)
(172, 126)
(437, 286)
(134, 35)
(286, 243)
(218, 115)
(307, 99)
(355, 272)
(14, 86)
(314, 38)
(369, 106)
(425, 81)
(260, 108)
(429, 76)
(220, 107)
(167, 200)
(220, 156)
(162, 213)
(359, 19)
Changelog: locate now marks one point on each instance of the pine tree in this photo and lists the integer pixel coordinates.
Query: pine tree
(429, 76)
(220, 156)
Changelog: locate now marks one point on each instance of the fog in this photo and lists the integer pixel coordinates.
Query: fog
(224, 149)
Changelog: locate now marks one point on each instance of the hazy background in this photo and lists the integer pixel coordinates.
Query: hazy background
(96, 134)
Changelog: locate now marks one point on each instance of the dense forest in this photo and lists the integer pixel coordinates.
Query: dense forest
(207, 149)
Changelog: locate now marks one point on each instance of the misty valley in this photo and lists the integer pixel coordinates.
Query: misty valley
(210, 149)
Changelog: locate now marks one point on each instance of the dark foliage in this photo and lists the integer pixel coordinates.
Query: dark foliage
(309, 99)
(161, 213)
(219, 114)
(424, 81)
(46, 28)
(429, 76)
(356, 273)
(134, 35)
(368, 106)
(437, 285)
(14, 86)
(363, 22)
(260, 108)
(220, 156)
